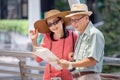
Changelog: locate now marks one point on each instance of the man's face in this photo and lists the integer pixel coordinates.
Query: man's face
(78, 22)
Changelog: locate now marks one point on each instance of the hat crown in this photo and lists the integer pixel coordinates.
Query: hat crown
(51, 13)
(79, 7)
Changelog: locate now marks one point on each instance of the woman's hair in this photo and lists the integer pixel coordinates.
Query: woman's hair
(66, 33)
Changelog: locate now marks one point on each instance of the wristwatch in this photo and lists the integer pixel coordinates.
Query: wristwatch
(70, 66)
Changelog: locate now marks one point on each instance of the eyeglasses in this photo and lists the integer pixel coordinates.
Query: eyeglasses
(54, 23)
(76, 20)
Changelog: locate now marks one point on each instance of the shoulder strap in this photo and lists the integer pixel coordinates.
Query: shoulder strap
(73, 40)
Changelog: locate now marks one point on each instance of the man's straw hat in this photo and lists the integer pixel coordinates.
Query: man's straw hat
(79, 9)
(42, 26)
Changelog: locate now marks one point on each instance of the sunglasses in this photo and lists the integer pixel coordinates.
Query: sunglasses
(76, 20)
(54, 23)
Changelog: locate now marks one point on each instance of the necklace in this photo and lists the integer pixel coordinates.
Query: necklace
(62, 56)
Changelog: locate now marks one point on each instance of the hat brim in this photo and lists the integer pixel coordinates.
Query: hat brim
(42, 26)
(81, 13)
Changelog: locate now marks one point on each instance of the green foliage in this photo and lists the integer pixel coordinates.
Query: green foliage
(111, 27)
(62, 5)
(100, 4)
(110, 69)
(20, 26)
(111, 30)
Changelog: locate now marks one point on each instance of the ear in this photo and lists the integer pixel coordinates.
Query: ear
(87, 19)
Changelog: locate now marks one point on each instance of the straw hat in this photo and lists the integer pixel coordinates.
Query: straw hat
(79, 9)
(42, 26)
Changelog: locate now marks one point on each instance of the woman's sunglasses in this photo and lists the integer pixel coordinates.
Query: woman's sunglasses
(54, 23)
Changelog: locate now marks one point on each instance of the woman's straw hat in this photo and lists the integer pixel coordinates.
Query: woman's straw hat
(79, 9)
(42, 26)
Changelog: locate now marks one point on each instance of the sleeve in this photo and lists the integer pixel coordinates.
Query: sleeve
(38, 59)
(45, 43)
(96, 46)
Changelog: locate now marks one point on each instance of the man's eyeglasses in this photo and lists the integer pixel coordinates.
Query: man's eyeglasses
(54, 23)
(76, 20)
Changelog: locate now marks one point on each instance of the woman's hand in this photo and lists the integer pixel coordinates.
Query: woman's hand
(33, 34)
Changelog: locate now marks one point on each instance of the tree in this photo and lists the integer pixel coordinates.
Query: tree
(62, 5)
(111, 28)
(110, 10)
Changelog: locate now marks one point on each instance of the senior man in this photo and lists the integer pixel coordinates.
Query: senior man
(89, 50)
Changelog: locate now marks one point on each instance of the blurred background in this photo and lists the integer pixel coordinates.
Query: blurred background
(17, 17)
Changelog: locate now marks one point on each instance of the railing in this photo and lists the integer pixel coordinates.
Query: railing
(24, 70)
(114, 62)
(25, 73)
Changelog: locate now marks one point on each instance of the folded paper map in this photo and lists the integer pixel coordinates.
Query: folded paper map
(48, 56)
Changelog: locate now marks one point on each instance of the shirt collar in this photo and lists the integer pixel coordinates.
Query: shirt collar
(87, 30)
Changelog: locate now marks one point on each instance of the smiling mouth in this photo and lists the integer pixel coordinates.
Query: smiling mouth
(55, 28)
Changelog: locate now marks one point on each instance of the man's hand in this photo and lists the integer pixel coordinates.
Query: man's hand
(63, 63)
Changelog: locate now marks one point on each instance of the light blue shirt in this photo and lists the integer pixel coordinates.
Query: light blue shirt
(90, 44)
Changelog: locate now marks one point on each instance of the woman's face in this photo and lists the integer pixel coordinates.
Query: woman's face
(55, 24)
